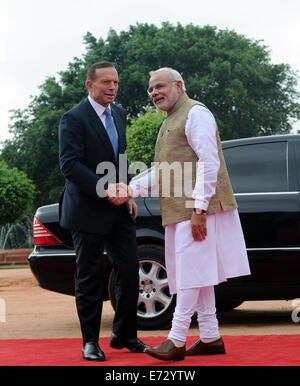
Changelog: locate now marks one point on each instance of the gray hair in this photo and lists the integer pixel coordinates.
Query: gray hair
(173, 73)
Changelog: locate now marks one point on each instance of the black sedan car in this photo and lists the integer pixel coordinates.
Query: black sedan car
(265, 175)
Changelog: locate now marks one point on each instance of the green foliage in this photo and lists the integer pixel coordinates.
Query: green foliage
(228, 72)
(141, 136)
(34, 146)
(231, 74)
(16, 194)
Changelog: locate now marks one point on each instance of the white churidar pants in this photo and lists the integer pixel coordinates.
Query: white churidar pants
(190, 300)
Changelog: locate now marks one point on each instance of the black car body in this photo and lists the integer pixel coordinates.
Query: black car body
(265, 175)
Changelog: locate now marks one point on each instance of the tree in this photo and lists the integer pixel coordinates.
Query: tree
(228, 72)
(231, 74)
(141, 136)
(16, 194)
(34, 146)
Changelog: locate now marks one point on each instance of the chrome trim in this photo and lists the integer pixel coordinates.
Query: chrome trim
(275, 249)
(287, 164)
(265, 193)
(248, 249)
(46, 253)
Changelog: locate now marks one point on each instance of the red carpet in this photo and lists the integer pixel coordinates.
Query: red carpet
(254, 350)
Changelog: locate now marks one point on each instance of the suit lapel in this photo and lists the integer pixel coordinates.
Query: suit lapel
(120, 129)
(98, 127)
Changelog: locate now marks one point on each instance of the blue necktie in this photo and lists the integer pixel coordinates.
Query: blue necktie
(111, 131)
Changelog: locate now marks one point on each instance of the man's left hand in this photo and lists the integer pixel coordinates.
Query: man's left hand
(133, 208)
(198, 225)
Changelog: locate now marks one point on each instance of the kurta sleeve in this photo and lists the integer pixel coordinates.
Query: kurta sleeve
(200, 131)
(144, 184)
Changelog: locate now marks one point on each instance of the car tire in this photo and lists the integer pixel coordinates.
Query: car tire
(155, 303)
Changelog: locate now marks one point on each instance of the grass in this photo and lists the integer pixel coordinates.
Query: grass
(14, 266)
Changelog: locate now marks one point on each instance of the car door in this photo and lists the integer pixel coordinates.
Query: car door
(268, 198)
(297, 167)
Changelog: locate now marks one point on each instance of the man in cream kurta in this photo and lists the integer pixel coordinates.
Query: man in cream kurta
(204, 242)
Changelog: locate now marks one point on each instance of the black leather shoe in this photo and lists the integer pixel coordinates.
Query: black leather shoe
(92, 352)
(134, 345)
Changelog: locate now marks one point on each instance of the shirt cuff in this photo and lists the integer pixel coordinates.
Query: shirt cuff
(201, 204)
(135, 190)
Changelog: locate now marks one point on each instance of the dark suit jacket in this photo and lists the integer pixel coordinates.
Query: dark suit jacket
(83, 145)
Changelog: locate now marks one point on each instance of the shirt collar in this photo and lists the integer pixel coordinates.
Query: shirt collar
(98, 108)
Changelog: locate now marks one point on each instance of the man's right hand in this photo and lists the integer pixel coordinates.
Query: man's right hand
(119, 193)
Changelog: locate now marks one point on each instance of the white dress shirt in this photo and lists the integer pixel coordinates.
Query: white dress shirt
(99, 109)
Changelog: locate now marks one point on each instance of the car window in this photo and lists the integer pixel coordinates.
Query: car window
(260, 167)
(141, 175)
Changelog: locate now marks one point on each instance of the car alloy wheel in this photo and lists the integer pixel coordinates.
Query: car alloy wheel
(154, 296)
(155, 305)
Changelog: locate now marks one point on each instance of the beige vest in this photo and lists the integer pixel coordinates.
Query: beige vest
(175, 157)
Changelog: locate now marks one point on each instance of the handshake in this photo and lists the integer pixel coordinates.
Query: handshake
(119, 193)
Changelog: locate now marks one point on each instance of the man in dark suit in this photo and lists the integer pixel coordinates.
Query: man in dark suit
(90, 135)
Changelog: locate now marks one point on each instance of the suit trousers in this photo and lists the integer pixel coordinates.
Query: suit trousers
(120, 243)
